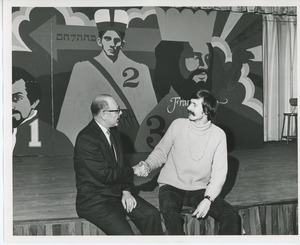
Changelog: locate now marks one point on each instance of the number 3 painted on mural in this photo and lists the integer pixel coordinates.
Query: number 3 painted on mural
(158, 130)
(135, 74)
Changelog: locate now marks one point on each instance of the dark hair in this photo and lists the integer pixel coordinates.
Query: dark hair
(33, 89)
(120, 33)
(209, 102)
(99, 103)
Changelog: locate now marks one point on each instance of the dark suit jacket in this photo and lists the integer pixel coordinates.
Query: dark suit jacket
(98, 175)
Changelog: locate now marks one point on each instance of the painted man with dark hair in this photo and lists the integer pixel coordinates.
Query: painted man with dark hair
(31, 135)
(25, 97)
(110, 72)
(193, 153)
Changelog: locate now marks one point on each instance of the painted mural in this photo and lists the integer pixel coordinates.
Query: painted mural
(151, 59)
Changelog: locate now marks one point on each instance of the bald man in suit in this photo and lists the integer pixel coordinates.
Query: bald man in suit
(104, 180)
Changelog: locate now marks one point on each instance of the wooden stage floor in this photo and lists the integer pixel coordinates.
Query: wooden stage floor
(44, 187)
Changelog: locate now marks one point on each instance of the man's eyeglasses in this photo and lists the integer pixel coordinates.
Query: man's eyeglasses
(118, 110)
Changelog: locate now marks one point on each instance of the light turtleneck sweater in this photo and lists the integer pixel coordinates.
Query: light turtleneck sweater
(194, 157)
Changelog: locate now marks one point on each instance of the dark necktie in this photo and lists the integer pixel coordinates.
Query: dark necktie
(112, 144)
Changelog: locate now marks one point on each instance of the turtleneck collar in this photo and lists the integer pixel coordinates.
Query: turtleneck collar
(202, 127)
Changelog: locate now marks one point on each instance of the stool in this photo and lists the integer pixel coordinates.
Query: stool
(288, 136)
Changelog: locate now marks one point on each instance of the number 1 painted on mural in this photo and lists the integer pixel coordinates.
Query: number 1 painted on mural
(34, 134)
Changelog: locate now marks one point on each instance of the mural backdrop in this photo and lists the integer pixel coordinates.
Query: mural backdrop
(167, 54)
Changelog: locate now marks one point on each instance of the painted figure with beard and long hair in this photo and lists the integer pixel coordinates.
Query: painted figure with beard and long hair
(180, 70)
(183, 69)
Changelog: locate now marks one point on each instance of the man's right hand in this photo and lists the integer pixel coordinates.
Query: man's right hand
(142, 169)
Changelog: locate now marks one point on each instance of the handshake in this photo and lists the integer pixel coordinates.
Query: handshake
(142, 169)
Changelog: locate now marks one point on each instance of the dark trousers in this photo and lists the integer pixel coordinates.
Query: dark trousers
(171, 200)
(110, 217)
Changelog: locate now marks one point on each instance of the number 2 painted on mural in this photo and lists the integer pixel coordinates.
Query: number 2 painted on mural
(34, 134)
(128, 82)
(158, 130)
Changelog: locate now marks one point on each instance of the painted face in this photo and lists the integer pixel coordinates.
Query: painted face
(21, 106)
(113, 113)
(195, 62)
(111, 44)
(196, 112)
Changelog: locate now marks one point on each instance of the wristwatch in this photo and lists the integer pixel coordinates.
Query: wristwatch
(209, 198)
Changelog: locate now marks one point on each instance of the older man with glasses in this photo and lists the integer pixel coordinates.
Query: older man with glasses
(104, 180)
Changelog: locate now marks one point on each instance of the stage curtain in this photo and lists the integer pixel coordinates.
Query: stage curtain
(280, 71)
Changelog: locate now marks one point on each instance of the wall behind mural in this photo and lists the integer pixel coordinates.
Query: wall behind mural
(168, 54)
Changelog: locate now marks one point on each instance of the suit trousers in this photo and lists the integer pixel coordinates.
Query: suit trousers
(171, 200)
(110, 217)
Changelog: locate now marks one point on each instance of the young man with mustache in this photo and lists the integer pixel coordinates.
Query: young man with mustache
(193, 153)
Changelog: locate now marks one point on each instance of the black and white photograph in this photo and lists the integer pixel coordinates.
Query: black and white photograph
(150, 121)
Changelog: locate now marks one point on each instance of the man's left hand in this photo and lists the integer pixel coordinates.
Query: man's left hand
(128, 201)
(202, 209)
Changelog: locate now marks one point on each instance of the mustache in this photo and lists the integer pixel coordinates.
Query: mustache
(190, 112)
(199, 71)
(15, 112)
